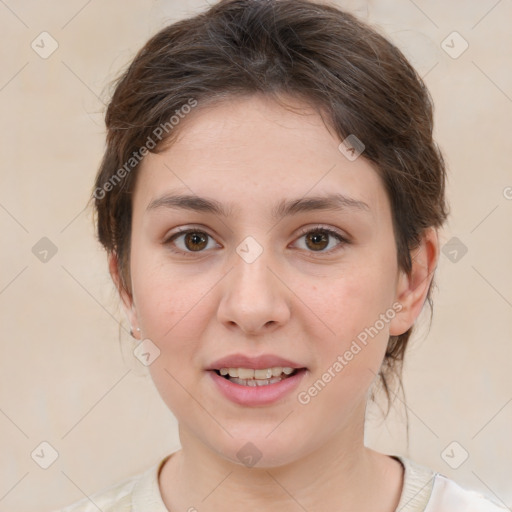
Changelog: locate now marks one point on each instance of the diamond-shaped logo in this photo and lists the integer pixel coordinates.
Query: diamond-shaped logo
(351, 147)
(44, 250)
(454, 455)
(454, 45)
(249, 455)
(146, 352)
(249, 250)
(44, 45)
(454, 249)
(44, 455)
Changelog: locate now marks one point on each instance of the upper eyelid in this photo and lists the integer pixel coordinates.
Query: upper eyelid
(320, 227)
(184, 231)
(302, 231)
(343, 239)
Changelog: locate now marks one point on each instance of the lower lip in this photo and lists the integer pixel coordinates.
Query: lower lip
(257, 395)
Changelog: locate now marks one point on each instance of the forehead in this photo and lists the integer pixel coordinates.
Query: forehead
(252, 150)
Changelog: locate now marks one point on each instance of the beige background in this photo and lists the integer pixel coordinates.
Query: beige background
(66, 379)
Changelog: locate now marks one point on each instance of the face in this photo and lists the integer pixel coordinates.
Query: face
(255, 239)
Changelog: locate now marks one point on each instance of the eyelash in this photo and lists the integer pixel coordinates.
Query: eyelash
(317, 229)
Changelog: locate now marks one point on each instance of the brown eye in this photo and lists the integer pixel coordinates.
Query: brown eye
(317, 240)
(196, 241)
(190, 241)
(322, 240)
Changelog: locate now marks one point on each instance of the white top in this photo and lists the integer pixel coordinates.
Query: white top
(424, 490)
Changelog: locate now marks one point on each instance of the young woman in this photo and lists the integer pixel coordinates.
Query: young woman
(269, 200)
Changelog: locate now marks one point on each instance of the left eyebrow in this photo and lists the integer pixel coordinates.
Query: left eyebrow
(329, 202)
(286, 207)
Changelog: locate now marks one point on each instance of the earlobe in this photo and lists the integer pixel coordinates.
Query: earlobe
(125, 296)
(412, 289)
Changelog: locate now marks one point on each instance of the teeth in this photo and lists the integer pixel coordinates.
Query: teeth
(255, 382)
(263, 374)
(243, 373)
(276, 371)
(251, 375)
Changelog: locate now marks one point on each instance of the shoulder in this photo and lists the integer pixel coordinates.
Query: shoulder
(125, 496)
(116, 498)
(447, 495)
(426, 490)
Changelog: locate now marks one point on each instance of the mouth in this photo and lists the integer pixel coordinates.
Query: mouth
(258, 380)
(252, 377)
(251, 387)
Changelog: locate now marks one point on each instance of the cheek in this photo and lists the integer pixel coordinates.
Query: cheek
(358, 309)
(353, 302)
(350, 359)
(171, 313)
(169, 300)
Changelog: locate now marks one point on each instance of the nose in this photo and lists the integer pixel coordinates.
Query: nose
(254, 298)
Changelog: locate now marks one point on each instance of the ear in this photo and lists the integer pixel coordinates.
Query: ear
(412, 288)
(126, 297)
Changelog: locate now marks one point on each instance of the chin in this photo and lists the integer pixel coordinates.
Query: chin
(258, 451)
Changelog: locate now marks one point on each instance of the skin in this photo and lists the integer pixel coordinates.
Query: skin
(303, 304)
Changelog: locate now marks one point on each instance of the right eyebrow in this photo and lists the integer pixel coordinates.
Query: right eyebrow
(329, 202)
(190, 202)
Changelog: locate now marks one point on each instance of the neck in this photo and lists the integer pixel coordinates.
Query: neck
(336, 475)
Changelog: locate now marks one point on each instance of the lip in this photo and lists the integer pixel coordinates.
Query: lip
(258, 362)
(258, 395)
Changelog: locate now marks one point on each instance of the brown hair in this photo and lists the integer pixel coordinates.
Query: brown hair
(360, 83)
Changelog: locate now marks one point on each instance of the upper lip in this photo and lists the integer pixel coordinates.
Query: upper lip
(258, 362)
